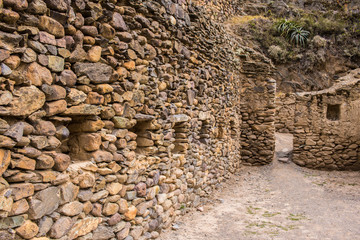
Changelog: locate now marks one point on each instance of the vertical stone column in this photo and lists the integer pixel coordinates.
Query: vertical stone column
(258, 128)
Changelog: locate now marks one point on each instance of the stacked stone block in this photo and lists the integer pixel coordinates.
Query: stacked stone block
(258, 111)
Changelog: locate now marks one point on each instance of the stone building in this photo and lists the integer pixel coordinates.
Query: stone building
(326, 126)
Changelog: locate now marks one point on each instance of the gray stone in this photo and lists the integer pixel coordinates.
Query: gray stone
(124, 232)
(11, 222)
(56, 63)
(5, 97)
(44, 202)
(143, 118)
(99, 195)
(153, 224)
(83, 109)
(5, 70)
(179, 118)
(136, 232)
(72, 208)
(118, 22)
(5, 235)
(68, 78)
(44, 226)
(68, 192)
(85, 195)
(61, 227)
(9, 41)
(53, 92)
(103, 233)
(39, 142)
(29, 56)
(130, 195)
(114, 219)
(96, 72)
(16, 131)
(36, 46)
(119, 226)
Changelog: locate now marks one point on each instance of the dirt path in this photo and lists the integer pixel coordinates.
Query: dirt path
(279, 201)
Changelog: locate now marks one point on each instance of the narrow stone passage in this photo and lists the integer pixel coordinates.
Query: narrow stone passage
(279, 201)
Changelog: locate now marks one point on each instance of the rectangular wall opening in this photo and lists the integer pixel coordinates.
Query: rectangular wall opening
(333, 112)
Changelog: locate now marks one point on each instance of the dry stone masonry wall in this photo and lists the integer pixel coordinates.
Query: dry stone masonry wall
(118, 116)
(326, 134)
(285, 110)
(258, 110)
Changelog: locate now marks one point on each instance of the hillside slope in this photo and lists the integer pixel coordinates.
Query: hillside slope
(331, 50)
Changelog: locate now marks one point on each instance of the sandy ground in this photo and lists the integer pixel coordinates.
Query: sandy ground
(278, 201)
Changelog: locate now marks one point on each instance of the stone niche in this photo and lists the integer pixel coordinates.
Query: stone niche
(326, 134)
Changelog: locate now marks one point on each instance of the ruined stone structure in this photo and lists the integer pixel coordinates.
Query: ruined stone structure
(115, 117)
(326, 126)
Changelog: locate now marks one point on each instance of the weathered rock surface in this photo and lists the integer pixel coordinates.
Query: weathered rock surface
(61, 227)
(26, 101)
(96, 72)
(84, 226)
(44, 202)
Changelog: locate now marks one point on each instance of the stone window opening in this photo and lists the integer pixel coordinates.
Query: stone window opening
(333, 112)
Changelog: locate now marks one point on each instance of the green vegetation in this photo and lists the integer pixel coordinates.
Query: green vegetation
(293, 32)
(267, 224)
(319, 183)
(296, 217)
(251, 210)
(269, 214)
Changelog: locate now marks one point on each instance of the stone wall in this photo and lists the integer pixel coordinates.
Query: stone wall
(116, 117)
(258, 111)
(327, 126)
(285, 109)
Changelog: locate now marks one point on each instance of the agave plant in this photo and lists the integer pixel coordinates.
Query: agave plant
(285, 26)
(299, 36)
(293, 32)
